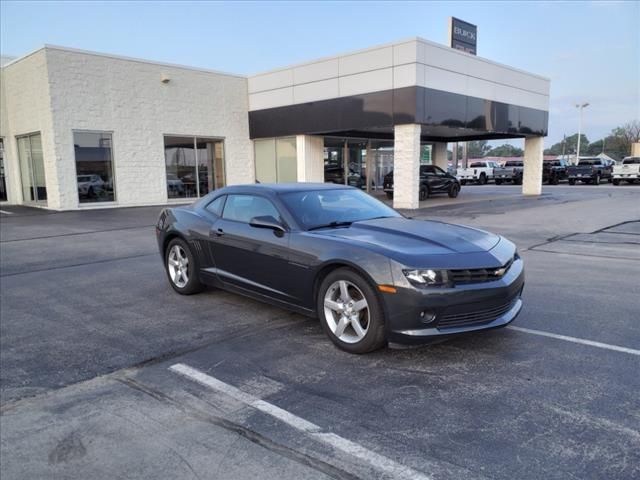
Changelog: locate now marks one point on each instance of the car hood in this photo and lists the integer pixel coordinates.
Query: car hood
(404, 236)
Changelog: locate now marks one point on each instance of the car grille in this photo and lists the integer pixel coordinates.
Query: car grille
(475, 318)
(478, 275)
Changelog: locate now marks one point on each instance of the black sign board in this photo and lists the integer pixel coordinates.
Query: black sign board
(463, 35)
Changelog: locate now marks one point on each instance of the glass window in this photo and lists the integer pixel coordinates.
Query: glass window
(313, 209)
(3, 184)
(195, 166)
(94, 167)
(276, 160)
(287, 168)
(242, 208)
(265, 157)
(30, 155)
(215, 207)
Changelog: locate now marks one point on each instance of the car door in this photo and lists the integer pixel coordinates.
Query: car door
(443, 178)
(428, 173)
(251, 258)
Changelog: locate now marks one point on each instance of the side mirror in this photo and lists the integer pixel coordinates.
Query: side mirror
(269, 222)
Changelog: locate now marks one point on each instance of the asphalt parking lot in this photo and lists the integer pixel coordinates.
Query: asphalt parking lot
(107, 373)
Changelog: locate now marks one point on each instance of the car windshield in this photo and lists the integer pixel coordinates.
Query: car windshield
(328, 208)
(589, 162)
(477, 165)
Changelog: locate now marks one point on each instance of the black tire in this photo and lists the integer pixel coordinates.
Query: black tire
(517, 181)
(374, 338)
(454, 190)
(389, 195)
(483, 179)
(615, 181)
(498, 182)
(554, 180)
(596, 181)
(572, 181)
(463, 182)
(424, 193)
(193, 284)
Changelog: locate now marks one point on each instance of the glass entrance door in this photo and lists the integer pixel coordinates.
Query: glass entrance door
(34, 184)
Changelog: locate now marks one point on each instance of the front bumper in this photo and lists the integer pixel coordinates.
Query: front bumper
(464, 308)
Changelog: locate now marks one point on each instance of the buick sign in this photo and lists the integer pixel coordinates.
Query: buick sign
(462, 35)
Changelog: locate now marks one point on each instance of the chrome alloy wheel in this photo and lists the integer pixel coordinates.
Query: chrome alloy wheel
(346, 311)
(178, 266)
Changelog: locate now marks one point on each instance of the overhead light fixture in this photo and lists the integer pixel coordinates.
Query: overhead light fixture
(164, 78)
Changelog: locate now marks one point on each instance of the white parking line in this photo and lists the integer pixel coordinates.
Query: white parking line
(6, 213)
(375, 460)
(582, 341)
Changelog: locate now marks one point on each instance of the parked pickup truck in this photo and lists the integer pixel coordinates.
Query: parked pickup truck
(589, 170)
(432, 180)
(511, 172)
(553, 171)
(480, 172)
(629, 171)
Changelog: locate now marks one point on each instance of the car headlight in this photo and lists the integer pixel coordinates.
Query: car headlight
(428, 277)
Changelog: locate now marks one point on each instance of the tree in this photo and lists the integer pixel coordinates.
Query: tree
(626, 135)
(570, 146)
(505, 150)
(477, 148)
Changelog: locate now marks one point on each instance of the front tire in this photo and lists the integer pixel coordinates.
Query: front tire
(498, 182)
(463, 182)
(424, 193)
(389, 195)
(615, 181)
(572, 181)
(181, 267)
(350, 312)
(596, 181)
(483, 179)
(454, 190)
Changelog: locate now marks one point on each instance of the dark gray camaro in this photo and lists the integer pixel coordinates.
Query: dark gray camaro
(370, 274)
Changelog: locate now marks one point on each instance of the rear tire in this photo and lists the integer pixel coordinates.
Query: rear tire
(596, 181)
(483, 179)
(554, 180)
(463, 182)
(615, 181)
(182, 268)
(389, 195)
(424, 193)
(454, 190)
(572, 181)
(498, 182)
(350, 312)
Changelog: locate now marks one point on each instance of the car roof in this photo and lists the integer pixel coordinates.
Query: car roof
(282, 187)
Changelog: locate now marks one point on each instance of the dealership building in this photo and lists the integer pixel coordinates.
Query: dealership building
(83, 130)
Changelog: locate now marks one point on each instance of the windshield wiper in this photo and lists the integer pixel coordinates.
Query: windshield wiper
(331, 225)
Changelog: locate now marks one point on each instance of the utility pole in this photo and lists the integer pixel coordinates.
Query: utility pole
(580, 107)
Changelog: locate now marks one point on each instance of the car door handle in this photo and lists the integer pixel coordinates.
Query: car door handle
(219, 232)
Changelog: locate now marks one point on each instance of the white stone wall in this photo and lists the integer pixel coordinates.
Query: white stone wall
(310, 155)
(440, 158)
(25, 107)
(533, 160)
(406, 166)
(126, 97)
(56, 91)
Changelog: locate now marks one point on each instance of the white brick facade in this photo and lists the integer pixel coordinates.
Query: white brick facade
(56, 91)
(406, 166)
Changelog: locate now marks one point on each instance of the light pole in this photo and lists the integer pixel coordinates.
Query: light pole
(580, 107)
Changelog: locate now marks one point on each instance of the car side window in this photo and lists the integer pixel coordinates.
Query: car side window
(216, 206)
(439, 171)
(242, 208)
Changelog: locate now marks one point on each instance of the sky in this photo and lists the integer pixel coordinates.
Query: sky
(589, 50)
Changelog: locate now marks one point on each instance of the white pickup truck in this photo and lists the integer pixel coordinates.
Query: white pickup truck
(629, 171)
(480, 172)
